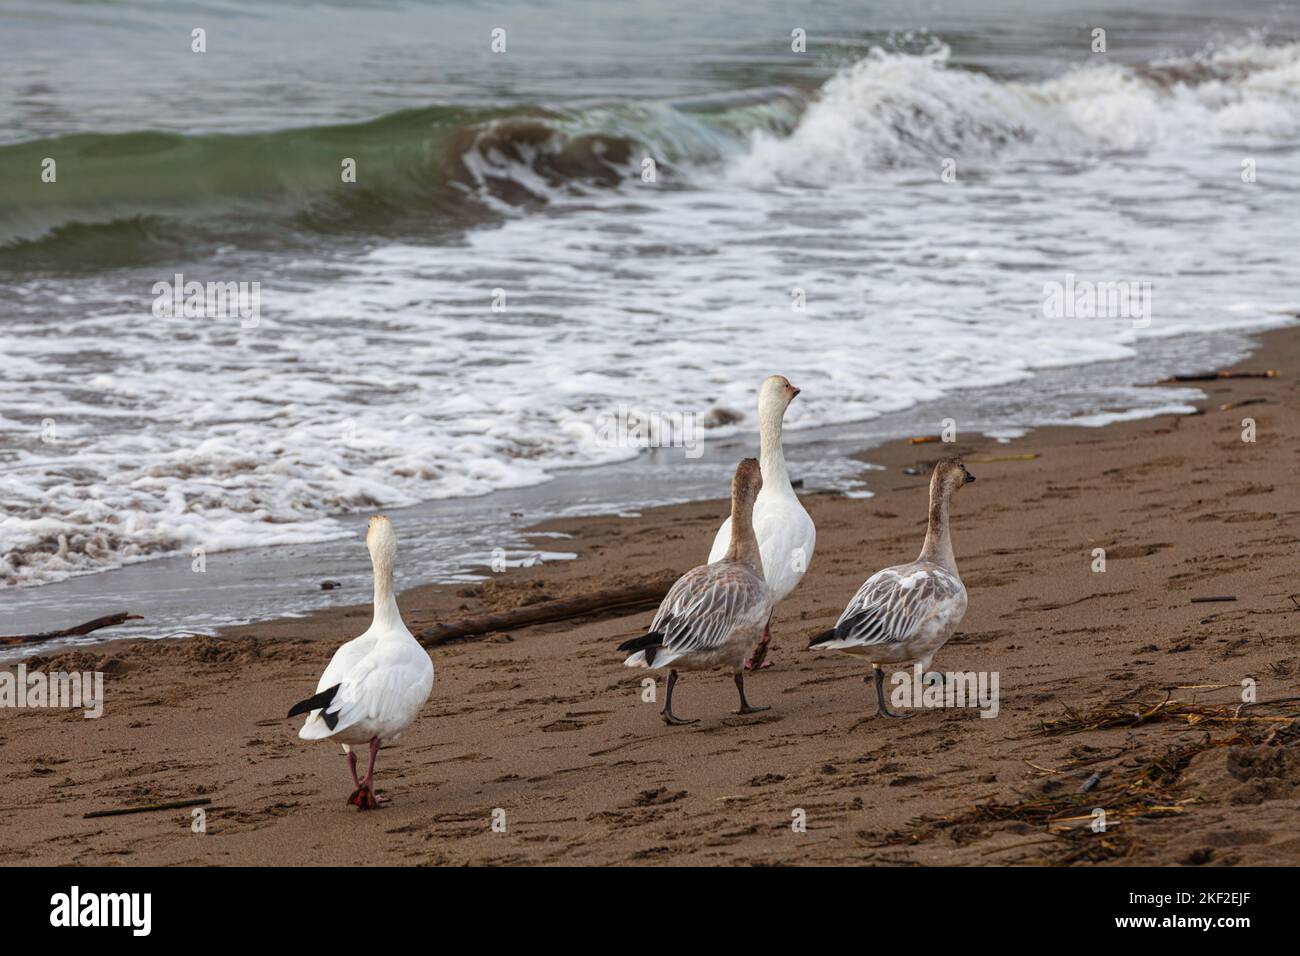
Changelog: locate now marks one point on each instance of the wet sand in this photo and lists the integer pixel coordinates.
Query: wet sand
(545, 724)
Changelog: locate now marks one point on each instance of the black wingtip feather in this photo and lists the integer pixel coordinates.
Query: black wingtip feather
(653, 639)
(822, 638)
(318, 702)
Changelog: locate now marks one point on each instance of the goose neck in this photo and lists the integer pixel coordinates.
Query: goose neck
(744, 543)
(938, 540)
(387, 617)
(771, 455)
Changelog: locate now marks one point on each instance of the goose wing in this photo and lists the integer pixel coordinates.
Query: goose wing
(706, 604)
(893, 604)
(322, 708)
(387, 687)
(389, 693)
(346, 659)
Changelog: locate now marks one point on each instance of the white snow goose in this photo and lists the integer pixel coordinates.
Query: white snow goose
(375, 684)
(906, 613)
(715, 614)
(786, 534)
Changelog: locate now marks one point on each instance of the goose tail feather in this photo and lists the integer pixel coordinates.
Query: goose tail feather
(321, 723)
(645, 649)
(823, 639)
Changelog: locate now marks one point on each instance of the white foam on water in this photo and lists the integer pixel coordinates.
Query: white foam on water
(1130, 414)
(892, 109)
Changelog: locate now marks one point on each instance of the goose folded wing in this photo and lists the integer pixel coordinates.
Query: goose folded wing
(704, 606)
(379, 692)
(891, 606)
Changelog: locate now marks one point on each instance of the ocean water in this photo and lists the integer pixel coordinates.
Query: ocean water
(637, 209)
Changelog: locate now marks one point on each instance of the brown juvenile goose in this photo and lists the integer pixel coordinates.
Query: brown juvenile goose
(714, 615)
(906, 613)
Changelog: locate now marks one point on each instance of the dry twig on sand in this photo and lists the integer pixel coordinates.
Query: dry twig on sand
(110, 620)
(147, 808)
(609, 602)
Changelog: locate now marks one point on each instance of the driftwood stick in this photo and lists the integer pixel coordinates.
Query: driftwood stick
(147, 808)
(611, 601)
(99, 622)
(989, 459)
(1214, 376)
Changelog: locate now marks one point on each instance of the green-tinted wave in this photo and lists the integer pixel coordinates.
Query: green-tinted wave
(129, 197)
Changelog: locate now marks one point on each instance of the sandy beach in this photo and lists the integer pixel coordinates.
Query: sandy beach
(1115, 681)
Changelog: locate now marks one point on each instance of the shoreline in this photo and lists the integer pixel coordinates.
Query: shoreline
(545, 722)
(447, 541)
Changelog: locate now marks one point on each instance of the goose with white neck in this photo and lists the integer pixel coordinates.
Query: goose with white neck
(906, 613)
(375, 684)
(715, 614)
(786, 534)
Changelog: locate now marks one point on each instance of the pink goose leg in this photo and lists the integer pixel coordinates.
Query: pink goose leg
(365, 798)
(352, 765)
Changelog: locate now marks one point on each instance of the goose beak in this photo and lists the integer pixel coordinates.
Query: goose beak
(969, 477)
(794, 392)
